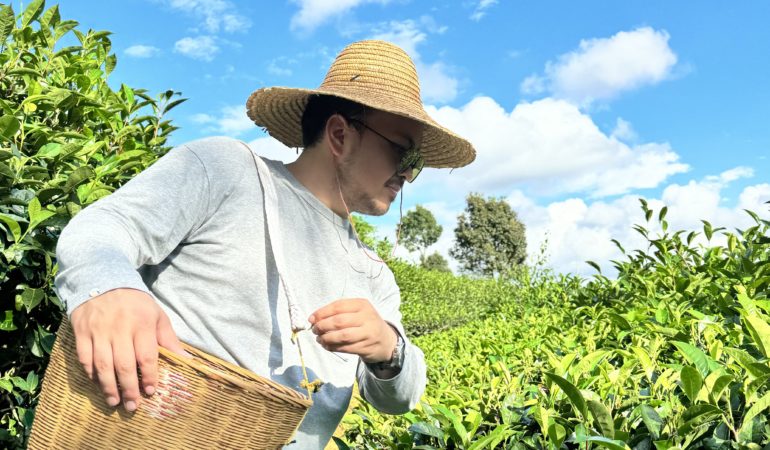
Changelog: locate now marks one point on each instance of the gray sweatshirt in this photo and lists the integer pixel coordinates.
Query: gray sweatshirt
(190, 231)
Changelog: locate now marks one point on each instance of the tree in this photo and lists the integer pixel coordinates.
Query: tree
(419, 230)
(367, 233)
(489, 239)
(435, 261)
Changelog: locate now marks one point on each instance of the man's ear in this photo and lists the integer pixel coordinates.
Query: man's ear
(336, 132)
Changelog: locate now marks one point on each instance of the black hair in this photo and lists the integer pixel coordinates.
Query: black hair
(319, 109)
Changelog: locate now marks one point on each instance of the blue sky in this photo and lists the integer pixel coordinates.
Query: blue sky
(576, 109)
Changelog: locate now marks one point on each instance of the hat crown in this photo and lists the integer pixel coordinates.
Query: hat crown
(374, 67)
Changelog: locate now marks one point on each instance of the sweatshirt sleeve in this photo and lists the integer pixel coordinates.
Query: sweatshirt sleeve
(401, 393)
(102, 247)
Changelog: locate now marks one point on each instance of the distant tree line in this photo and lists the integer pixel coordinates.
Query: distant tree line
(489, 238)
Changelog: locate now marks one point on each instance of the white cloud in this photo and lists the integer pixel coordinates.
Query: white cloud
(481, 9)
(275, 69)
(577, 230)
(702, 199)
(142, 51)
(232, 23)
(436, 83)
(202, 47)
(732, 175)
(755, 197)
(314, 13)
(215, 15)
(623, 131)
(430, 24)
(232, 121)
(280, 66)
(405, 34)
(271, 148)
(533, 84)
(601, 69)
(554, 147)
(202, 118)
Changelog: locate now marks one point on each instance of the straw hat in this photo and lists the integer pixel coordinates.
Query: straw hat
(374, 73)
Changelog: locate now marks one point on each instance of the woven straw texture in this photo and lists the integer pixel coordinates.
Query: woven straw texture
(200, 403)
(374, 73)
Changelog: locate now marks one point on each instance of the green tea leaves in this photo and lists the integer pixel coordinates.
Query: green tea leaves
(574, 395)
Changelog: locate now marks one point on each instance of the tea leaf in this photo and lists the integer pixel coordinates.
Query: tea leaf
(691, 382)
(556, 433)
(32, 12)
(757, 408)
(696, 357)
(7, 21)
(9, 125)
(12, 225)
(78, 176)
(651, 420)
(572, 392)
(426, 429)
(493, 439)
(760, 333)
(603, 418)
(607, 443)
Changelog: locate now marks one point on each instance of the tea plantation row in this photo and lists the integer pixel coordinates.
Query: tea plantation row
(671, 353)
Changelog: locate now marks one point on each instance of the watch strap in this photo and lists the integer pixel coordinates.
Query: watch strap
(396, 361)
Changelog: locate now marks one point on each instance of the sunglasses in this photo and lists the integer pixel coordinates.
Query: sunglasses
(410, 162)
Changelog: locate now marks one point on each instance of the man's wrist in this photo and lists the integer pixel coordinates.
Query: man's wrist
(396, 360)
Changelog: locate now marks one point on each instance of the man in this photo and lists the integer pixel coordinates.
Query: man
(186, 249)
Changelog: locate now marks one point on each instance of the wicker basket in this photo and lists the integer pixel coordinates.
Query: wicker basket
(200, 402)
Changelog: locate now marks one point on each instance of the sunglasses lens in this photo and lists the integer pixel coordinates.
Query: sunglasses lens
(411, 165)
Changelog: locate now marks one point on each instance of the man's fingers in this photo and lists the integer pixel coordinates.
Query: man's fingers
(345, 305)
(360, 349)
(345, 336)
(146, 348)
(85, 351)
(105, 372)
(124, 358)
(167, 337)
(337, 322)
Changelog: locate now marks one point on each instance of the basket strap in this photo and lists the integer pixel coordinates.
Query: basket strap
(296, 316)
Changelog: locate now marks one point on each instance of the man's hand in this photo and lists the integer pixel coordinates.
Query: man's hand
(116, 332)
(354, 326)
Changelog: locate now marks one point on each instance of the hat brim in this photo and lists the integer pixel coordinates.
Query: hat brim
(279, 111)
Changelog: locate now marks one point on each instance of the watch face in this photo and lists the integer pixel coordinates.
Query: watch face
(398, 354)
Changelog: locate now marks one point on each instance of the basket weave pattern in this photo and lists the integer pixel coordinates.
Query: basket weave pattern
(200, 402)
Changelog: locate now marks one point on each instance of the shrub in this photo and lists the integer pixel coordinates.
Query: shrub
(432, 300)
(66, 140)
(672, 353)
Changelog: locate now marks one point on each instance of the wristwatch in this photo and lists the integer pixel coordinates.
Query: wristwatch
(397, 361)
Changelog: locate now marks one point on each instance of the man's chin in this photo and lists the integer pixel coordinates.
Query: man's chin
(375, 209)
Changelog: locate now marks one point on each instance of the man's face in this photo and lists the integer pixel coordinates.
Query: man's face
(368, 175)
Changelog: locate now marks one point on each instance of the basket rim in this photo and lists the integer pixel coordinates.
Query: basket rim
(255, 383)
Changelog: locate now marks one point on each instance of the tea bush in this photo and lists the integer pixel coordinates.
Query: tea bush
(433, 300)
(673, 353)
(66, 139)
